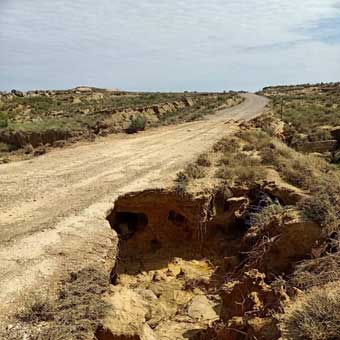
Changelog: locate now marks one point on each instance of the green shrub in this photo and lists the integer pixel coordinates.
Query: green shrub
(3, 120)
(137, 124)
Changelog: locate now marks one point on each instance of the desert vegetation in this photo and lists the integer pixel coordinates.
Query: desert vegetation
(245, 245)
(74, 312)
(41, 119)
(311, 114)
(252, 159)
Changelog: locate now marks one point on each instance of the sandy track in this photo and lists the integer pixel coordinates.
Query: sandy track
(53, 208)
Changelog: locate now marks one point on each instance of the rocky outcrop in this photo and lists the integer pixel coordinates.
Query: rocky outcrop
(284, 240)
(335, 132)
(319, 146)
(247, 306)
(22, 138)
(157, 222)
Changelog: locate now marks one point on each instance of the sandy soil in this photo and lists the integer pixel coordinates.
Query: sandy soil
(53, 208)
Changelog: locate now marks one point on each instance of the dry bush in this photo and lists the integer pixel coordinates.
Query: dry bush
(37, 308)
(250, 174)
(240, 167)
(316, 272)
(256, 137)
(203, 160)
(182, 177)
(194, 171)
(323, 206)
(227, 144)
(297, 172)
(240, 173)
(265, 215)
(276, 152)
(314, 316)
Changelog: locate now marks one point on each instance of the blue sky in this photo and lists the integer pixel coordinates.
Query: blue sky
(168, 45)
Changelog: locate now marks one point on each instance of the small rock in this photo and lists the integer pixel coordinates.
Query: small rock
(157, 277)
(202, 309)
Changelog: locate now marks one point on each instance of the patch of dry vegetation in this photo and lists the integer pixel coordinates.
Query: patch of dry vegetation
(44, 117)
(244, 159)
(265, 216)
(307, 107)
(314, 316)
(316, 272)
(75, 313)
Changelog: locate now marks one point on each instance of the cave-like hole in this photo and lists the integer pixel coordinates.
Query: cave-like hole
(176, 218)
(155, 245)
(127, 224)
(105, 334)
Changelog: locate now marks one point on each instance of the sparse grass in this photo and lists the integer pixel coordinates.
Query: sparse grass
(237, 166)
(74, 314)
(307, 108)
(314, 316)
(237, 173)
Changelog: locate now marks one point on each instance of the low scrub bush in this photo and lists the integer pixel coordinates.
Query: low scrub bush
(265, 216)
(38, 307)
(323, 205)
(317, 271)
(227, 144)
(314, 316)
(137, 124)
(240, 173)
(3, 120)
(195, 171)
(203, 160)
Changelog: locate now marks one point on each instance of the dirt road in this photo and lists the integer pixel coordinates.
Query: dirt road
(53, 208)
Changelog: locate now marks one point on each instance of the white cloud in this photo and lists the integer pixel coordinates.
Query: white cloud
(175, 44)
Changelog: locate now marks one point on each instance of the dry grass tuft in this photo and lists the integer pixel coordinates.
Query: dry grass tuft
(227, 144)
(204, 160)
(323, 205)
(315, 316)
(316, 272)
(37, 308)
(265, 216)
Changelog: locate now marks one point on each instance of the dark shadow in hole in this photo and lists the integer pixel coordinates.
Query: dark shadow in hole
(155, 245)
(104, 334)
(126, 224)
(176, 218)
(151, 250)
